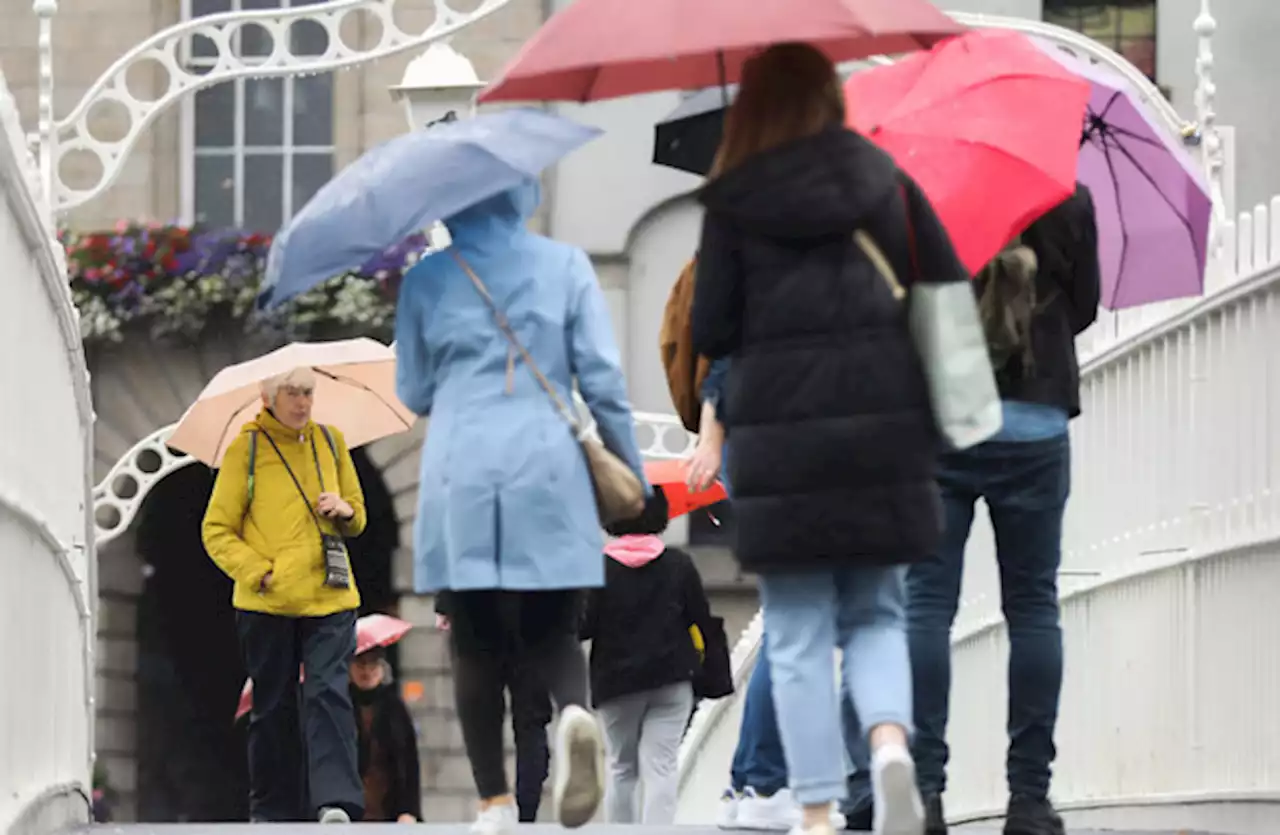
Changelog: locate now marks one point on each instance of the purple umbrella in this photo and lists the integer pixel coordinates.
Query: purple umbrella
(1152, 200)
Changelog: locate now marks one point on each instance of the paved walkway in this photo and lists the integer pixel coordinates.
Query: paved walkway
(463, 829)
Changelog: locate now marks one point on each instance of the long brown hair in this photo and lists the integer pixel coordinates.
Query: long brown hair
(789, 91)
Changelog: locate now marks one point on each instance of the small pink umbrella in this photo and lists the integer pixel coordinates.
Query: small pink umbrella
(371, 631)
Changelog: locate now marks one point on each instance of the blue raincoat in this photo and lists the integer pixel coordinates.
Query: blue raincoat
(505, 498)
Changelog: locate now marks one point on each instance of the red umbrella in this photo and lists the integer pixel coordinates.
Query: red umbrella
(601, 49)
(989, 127)
(374, 630)
(672, 477)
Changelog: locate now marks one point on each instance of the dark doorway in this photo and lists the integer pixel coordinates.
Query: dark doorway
(191, 755)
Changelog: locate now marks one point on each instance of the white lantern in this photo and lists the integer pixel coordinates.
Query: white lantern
(439, 85)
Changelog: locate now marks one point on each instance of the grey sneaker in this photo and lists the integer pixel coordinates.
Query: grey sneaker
(332, 814)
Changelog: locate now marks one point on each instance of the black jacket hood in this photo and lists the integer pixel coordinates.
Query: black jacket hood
(819, 186)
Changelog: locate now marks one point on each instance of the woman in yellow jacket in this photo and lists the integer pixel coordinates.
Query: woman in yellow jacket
(284, 499)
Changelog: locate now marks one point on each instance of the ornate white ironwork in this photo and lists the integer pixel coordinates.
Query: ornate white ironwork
(1207, 116)
(166, 48)
(118, 497)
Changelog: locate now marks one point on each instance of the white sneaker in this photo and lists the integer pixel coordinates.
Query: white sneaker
(332, 814)
(727, 813)
(820, 829)
(776, 813)
(579, 784)
(898, 810)
(498, 819)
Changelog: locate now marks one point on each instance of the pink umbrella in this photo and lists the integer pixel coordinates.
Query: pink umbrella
(371, 631)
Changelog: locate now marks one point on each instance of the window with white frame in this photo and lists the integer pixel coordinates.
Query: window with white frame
(259, 147)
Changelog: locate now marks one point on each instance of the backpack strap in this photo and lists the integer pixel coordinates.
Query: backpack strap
(328, 436)
(253, 462)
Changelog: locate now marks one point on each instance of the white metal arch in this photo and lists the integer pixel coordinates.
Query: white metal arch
(119, 496)
(166, 48)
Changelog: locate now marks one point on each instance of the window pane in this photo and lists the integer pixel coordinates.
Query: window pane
(216, 116)
(264, 112)
(200, 8)
(307, 37)
(1141, 52)
(215, 191)
(310, 172)
(263, 192)
(313, 110)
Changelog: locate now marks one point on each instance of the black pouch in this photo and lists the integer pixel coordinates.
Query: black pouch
(337, 568)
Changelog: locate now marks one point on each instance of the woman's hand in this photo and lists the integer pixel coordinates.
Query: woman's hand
(332, 506)
(704, 465)
(406, 818)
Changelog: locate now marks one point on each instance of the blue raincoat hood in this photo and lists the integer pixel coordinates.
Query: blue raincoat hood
(496, 217)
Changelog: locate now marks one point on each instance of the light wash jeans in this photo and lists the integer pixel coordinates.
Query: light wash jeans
(642, 735)
(807, 616)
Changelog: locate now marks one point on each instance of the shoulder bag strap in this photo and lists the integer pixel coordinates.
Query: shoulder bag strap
(253, 463)
(303, 493)
(505, 327)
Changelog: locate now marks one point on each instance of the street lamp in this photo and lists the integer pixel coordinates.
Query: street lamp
(438, 86)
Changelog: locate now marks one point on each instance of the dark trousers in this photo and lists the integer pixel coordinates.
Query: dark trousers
(302, 738)
(540, 628)
(530, 715)
(1025, 487)
(758, 761)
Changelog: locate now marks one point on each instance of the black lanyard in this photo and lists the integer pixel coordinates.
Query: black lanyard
(315, 456)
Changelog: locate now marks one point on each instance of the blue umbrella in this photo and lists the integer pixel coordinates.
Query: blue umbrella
(406, 184)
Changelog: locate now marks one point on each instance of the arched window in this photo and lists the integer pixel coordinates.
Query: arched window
(1127, 26)
(256, 149)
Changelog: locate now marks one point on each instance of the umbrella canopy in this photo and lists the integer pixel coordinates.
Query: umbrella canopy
(1151, 197)
(402, 186)
(376, 630)
(601, 49)
(355, 391)
(672, 477)
(986, 124)
(688, 138)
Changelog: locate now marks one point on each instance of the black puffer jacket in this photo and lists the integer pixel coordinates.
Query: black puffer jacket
(834, 446)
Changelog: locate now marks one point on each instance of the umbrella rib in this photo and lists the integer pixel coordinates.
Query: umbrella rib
(1124, 232)
(1011, 75)
(1146, 175)
(357, 384)
(227, 425)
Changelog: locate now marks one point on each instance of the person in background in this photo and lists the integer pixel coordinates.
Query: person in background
(507, 515)
(1035, 298)
(530, 715)
(264, 528)
(387, 742)
(834, 443)
(643, 662)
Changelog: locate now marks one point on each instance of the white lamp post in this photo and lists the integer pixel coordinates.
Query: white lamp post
(438, 86)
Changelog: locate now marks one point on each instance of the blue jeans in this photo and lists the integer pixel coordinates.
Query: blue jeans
(1025, 486)
(759, 761)
(807, 615)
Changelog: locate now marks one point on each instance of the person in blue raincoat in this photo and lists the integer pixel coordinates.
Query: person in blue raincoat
(507, 519)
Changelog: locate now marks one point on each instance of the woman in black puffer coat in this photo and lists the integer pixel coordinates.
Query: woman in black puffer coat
(834, 443)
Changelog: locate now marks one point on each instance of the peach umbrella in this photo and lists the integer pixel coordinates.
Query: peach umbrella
(355, 392)
(376, 630)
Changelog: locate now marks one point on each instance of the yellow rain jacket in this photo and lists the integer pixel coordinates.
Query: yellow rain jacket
(277, 533)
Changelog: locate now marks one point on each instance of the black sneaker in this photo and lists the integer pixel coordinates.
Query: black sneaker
(1032, 816)
(861, 819)
(935, 822)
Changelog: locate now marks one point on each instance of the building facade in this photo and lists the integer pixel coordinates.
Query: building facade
(248, 153)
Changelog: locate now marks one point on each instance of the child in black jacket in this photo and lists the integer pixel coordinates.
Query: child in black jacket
(644, 662)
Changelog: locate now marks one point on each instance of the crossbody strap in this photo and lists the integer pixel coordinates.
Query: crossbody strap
(510, 334)
(303, 493)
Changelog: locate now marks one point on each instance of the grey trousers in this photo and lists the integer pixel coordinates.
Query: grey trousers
(642, 734)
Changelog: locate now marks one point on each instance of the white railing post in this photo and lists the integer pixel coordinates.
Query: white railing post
(45, 10)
